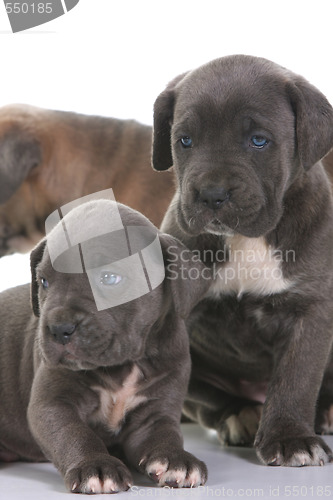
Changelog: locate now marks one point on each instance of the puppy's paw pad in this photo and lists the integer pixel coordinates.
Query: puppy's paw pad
(97, 485)
(182, 470)
(109, 475)
(240, 430)
(156, 469)
(295, 452)
(173, 478)
(183, 478)
(195, 478)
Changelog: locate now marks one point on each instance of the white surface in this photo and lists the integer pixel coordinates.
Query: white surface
(233, 473)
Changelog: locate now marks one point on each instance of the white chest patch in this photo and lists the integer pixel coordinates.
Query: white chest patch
(114, 404)
(252, 267)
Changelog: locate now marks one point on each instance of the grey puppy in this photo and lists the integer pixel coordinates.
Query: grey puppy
(77, 380)
(245, 137)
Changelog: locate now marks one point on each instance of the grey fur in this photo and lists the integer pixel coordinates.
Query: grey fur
(250, 175)
(118, 379)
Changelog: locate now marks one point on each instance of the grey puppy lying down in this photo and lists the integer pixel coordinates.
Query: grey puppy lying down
(102, 358)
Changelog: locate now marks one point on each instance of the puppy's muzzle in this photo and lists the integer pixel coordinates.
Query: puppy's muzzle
(62, 332)
(213, 197)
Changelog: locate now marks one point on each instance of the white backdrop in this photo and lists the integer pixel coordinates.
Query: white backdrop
(112, 57)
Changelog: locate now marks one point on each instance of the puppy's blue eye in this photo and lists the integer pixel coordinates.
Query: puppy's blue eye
(108, 278)
(44, 282)
(258, 141)
(186, 141)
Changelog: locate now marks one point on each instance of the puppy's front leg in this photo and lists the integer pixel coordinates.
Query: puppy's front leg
(154, 446)
(286, 432)
(58, 411)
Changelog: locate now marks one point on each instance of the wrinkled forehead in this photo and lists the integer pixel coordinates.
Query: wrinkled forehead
(223, 91)
(122, 262)
(90, 237)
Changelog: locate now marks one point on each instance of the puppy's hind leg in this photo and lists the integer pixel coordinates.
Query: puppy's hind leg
(236, 420)
(324, 413)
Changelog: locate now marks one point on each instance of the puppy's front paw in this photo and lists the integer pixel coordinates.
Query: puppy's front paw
(101, 475)
(295, 452)
(177, 470)
(240, 430)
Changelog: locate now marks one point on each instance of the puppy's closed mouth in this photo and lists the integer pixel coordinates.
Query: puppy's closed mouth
(69, 356)
(200, 223)
(235, 219)
(71, 360)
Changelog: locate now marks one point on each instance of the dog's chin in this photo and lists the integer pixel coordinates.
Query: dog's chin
(75, 358)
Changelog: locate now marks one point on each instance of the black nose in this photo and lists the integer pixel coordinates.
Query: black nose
(62, 332)
(213, 197)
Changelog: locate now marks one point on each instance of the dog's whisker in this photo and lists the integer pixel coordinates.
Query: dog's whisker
(191, 221)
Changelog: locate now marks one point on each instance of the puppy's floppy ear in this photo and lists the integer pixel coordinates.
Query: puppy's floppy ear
(314, 121)
(185, 274)
(19, 153)
(163, 115)
(35, 258)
